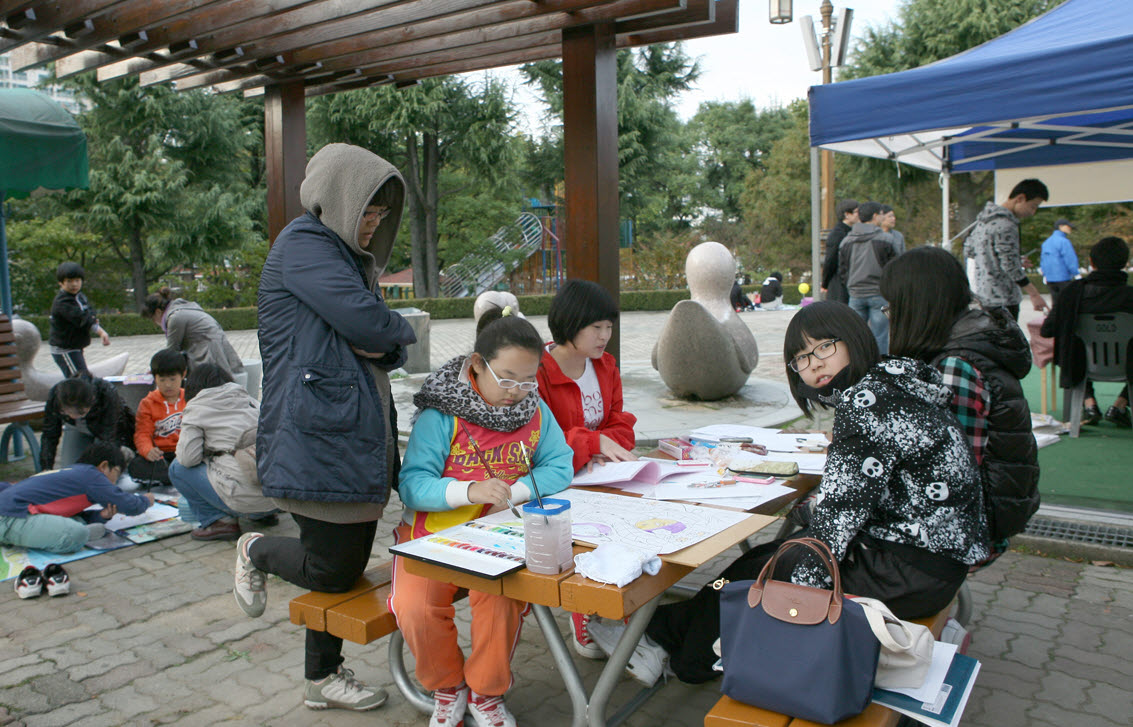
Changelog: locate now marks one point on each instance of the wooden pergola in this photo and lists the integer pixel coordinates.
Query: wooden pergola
(287, 50)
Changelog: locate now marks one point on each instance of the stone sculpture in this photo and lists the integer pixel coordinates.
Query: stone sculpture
(38, 383)
(705, 351)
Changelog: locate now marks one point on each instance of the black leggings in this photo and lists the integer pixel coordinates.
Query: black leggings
(328, 557)
(888, 572)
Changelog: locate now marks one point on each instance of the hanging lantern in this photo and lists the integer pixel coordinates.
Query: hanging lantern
(780, 11)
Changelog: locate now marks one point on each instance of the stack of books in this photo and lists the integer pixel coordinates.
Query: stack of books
(940, 701)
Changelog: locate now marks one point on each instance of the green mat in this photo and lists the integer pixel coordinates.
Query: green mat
(1092, 470)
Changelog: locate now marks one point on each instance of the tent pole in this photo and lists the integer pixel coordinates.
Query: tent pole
(945, 204)
(815, 225)
(5, 279)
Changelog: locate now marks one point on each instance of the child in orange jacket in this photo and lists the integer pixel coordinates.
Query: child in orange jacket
(158, 422)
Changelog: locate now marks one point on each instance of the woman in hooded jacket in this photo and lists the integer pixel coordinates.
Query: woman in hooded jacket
(326, 448)
(982, 354)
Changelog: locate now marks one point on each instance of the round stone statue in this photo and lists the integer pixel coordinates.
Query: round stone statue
(705, 351)
(38, 383)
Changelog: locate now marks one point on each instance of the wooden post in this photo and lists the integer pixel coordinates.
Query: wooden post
(285, 151)
(590, 139)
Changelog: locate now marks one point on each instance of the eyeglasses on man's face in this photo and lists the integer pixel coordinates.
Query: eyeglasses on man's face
(509, 384)
(376, 213)
(826, 349)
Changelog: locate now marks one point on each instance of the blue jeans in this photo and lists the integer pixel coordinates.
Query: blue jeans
(869, 308)
(53, 533)
(193, 483)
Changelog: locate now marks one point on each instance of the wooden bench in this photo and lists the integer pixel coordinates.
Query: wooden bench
(16, 410)
(729, 713)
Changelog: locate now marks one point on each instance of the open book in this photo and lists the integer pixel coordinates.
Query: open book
(643, 470)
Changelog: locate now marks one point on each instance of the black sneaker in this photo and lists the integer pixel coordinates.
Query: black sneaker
(30, 582)
(1120, 417)
(1091, 414)
(57, 581)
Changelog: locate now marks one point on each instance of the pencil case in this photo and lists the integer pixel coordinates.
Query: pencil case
(769, 467)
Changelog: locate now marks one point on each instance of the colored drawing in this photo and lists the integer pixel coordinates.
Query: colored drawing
(656, 524)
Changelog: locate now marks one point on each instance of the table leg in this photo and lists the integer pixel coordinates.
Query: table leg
(405, 684)
(1042, 387)
(612, 672)
(564, 662)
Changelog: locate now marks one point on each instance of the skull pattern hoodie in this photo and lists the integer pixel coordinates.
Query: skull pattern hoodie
(900, 469)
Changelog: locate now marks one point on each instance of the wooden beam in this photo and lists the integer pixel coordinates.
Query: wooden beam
(405, 41)
(590, 146)
(696, 11)
(320, 42)
(285, 149)
(726, 21)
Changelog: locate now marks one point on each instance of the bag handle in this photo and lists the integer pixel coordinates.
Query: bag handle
(834, 611)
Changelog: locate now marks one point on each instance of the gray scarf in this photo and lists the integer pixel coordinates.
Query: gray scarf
(448, 391)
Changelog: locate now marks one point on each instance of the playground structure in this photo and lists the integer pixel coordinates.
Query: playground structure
(514, 258)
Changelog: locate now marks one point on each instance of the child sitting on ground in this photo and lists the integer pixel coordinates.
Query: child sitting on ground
(72, 321)
(215, 469)
(158, 422)
(93, 408)
(465, 458)
(40, 511)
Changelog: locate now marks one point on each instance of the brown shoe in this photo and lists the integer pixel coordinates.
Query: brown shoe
(222, 529)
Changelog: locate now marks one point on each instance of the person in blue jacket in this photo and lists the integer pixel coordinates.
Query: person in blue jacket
(43, 511)
(1059, 261)
(326, 447)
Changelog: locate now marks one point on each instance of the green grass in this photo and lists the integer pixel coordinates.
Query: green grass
(1092, 470)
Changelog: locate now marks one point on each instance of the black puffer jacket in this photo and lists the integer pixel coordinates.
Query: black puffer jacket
(993, 343)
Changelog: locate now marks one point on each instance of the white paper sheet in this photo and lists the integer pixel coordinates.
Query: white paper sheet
(642, 470)
(155, 513)
(942, 653)
(684, 490)
(773, 439)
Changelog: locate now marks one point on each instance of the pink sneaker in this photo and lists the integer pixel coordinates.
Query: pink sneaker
(449, 706)
(583, 645)
(489, 711)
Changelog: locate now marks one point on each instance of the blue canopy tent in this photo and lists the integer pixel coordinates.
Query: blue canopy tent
(1057, 90)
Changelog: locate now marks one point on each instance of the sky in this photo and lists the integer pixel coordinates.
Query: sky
(764, 62)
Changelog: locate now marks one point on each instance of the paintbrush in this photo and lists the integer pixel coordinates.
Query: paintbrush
(531, 471)
(488, 467)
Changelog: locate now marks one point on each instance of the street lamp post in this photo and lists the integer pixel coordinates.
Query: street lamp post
(835, 38)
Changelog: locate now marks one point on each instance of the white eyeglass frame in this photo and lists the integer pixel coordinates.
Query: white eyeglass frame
(509, 384)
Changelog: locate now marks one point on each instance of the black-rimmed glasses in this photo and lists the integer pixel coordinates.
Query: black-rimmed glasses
(826, 349)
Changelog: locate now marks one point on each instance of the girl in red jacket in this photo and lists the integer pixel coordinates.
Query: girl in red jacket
(581, 385)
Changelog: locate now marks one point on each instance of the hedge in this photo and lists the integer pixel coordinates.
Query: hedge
(239, 319)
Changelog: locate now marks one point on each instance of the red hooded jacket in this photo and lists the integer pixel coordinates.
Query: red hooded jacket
(564, 399)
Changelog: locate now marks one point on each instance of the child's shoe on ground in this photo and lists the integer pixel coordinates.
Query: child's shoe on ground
(1091, 414)
(56, 580)
(449, 706)
(342, 691)
(582, 643)
(1120, 417)
(489, 711)
(30, 582)
(251, 595)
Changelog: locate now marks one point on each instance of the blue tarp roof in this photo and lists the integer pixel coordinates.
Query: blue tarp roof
(1056, 90)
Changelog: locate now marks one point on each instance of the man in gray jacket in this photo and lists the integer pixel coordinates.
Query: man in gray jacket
(998, 278)
(862, 255)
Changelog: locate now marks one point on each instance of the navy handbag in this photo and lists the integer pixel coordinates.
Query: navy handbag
(804, 652)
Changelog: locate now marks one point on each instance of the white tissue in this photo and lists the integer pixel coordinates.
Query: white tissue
(616, 563)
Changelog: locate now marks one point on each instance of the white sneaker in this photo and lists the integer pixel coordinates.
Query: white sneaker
(342, 691)
(649, 660)
(490, 711)
(449, 706)
(250, 592)
(583, 645)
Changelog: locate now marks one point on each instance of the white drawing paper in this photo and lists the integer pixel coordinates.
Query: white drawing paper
(642, 470)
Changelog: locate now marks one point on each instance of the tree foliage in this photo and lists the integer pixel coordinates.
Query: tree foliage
(171, 179)
(452, 141)
(657, 174)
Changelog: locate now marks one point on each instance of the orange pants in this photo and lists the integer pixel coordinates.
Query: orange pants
(424, 611)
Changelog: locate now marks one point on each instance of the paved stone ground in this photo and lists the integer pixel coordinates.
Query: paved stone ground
(150, 634)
